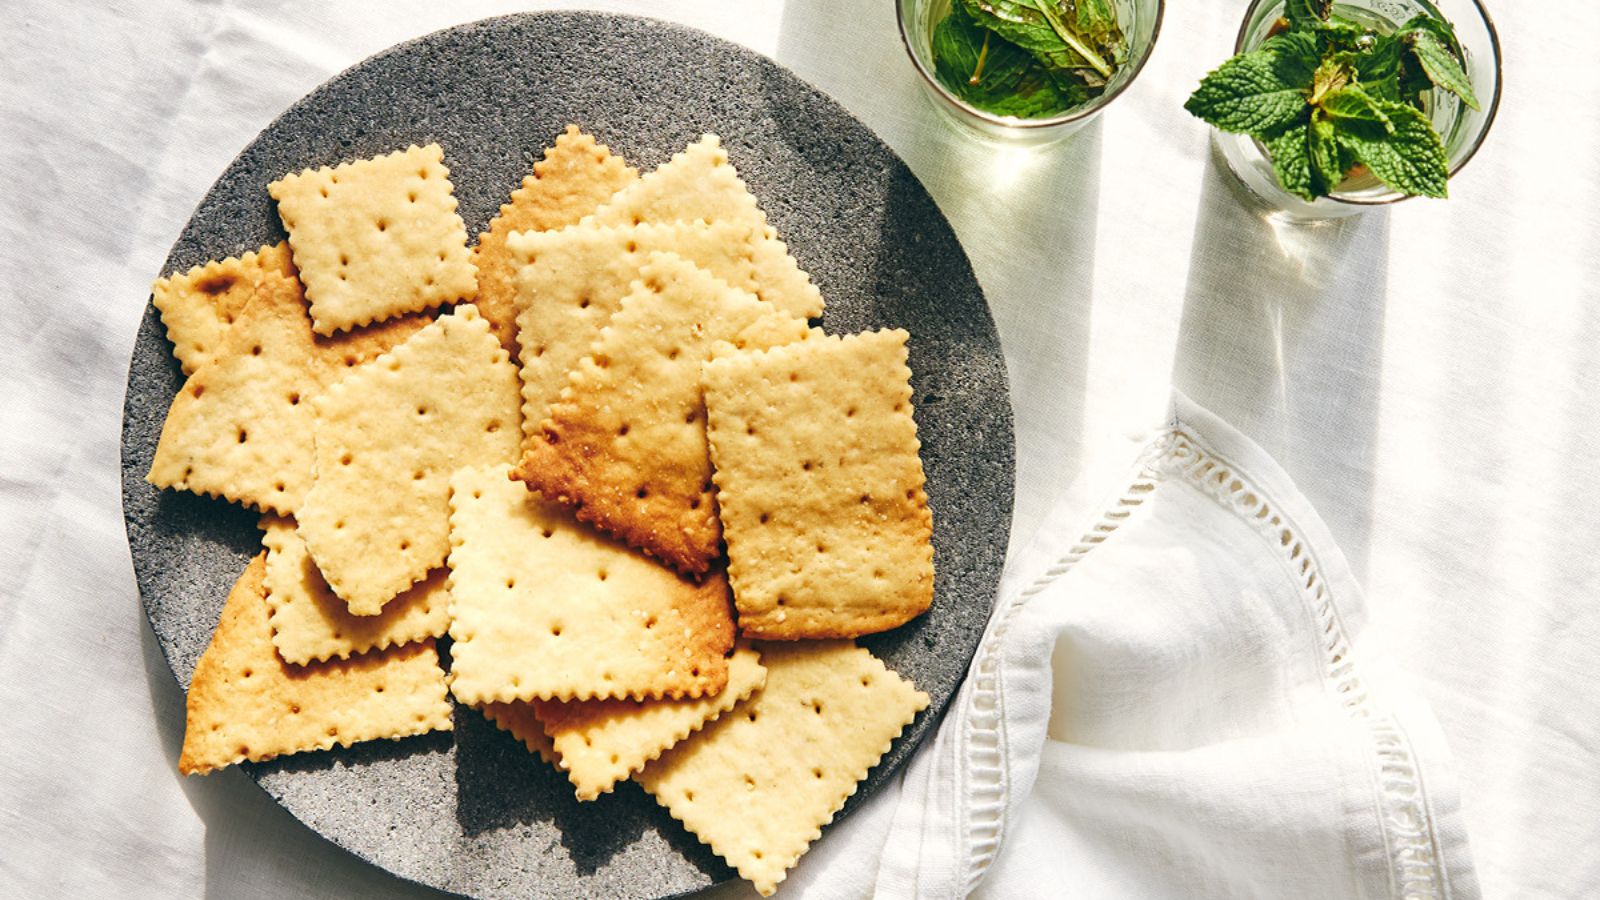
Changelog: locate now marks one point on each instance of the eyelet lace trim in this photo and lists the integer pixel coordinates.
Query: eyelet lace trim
(1415, 869)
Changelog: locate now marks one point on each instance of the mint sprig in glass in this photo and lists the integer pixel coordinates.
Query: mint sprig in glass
(1328, 108)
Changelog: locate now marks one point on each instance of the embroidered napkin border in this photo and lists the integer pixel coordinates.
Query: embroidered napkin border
(1410, 835)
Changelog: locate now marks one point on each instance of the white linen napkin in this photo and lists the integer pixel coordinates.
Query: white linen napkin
(1183, 701)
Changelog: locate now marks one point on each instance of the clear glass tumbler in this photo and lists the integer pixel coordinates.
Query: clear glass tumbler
(1461, 128)
(1141, 24)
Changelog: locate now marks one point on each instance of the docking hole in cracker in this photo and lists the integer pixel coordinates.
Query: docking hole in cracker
(542, 607)
(376, 238)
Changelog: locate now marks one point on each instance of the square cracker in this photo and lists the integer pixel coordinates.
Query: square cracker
(519, 720)
(199, 306)
(571, 282)
(309, 621)
(541, 607)
(240, 428)
(574, 178)
(376, 238)
(601, 742)
(388, 437)
(759, 783)
(820, 486)
(625, 446)
(698, 184)
(245, 703)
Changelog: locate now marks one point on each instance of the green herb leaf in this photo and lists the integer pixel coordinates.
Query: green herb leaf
(1409, 159)
(1354, 104)
(1097, 21)
(1441, 66)
(1248, 94)
(972, 62)
(1307, 13)
(1377, 65)
(1290, 150)
(995, 75)
(1036, 26)
(1340, 33)
(1327, 167)
(1295, 57)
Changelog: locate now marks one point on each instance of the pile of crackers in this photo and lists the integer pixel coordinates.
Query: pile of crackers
(602, 449)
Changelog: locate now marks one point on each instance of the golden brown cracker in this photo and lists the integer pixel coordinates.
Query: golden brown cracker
(199, 306)
(245, 703)
(601, 742)
(759, 783)
(572, 281)
(698, 184)
(309, 621)
(376, 238)
(574, 178)
(542, 607)
(240, 428)
(625, 445)
(388, 437)
(820, 486)
(519, 720)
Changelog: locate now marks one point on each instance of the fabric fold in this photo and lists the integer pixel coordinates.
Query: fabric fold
(1187, 700)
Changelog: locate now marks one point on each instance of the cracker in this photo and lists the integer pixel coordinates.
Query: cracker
(199, 306)
(571, 282)
(696, 185)
(759, 783)
(601, 742)
(820, 487)
(625, 445)
(541, 607)
(376, 238)
(240, 428)
(522, 723)
(388, 437)
(309, 621)
(247, 704)
(574, 178)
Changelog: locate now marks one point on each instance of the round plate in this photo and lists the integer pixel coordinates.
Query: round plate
(472, 811)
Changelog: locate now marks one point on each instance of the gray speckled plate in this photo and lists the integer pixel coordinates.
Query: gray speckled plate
(472, 811)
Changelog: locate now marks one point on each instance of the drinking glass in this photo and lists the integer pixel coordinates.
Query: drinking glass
(1140, 21)
(1461, 128)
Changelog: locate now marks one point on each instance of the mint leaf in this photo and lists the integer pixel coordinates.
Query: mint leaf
(1028, 24)
(1340, 32)
(1377, 65)
(1354, 104)
(1441, 66)
(1295, 56)
(971, 61)
(1290, 150)
(1307, 13)
(1410, 159)
(1248, 95)
(1327, 167)
(1097, 21)
(995, 75)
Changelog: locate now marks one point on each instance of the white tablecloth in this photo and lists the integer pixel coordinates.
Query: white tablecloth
(1423, 373)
